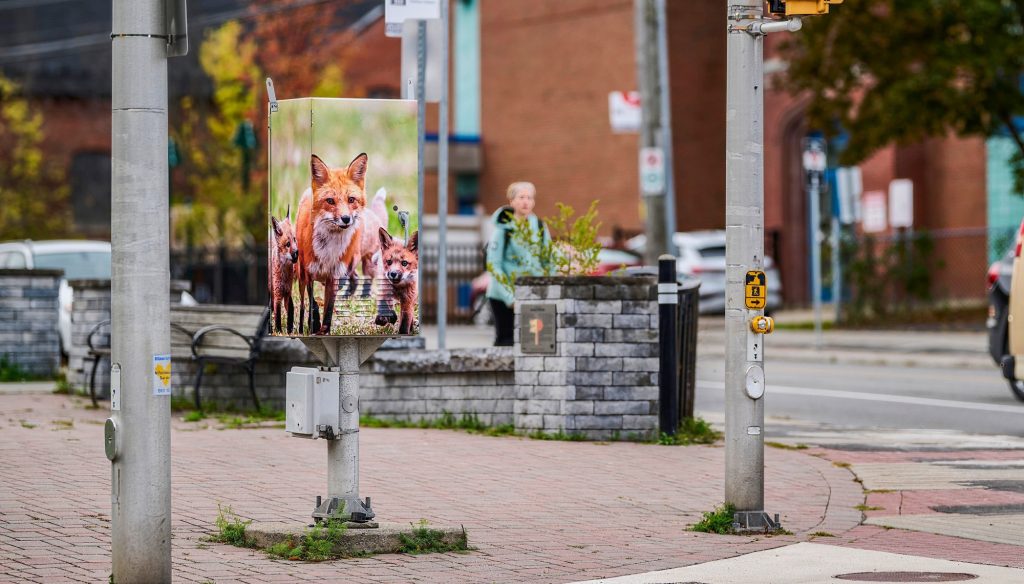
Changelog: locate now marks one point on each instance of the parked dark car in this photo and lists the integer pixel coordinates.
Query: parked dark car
(1000, 307)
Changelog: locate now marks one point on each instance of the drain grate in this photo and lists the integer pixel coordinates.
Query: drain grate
(907, 577)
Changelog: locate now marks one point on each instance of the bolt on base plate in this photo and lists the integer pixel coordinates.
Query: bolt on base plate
(357, 510)
(754, 522)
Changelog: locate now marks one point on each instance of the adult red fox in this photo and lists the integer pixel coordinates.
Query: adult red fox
(399, 263)
(329, 234)
(284, 252)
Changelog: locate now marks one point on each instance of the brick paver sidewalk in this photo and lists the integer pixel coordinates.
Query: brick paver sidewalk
(535, 511)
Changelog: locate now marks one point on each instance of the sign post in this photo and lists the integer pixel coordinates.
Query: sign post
(814, 166)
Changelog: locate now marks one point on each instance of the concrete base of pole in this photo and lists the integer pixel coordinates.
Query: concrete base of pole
(359, 539)
(755, 522)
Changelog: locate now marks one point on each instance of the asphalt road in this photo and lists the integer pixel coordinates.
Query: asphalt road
(873, 397)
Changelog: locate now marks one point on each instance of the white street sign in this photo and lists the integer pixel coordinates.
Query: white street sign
(624, 111)
(814, 156)
(901, 203)
(652, 171)
(874, 212)
(397, 12)
(410, 38)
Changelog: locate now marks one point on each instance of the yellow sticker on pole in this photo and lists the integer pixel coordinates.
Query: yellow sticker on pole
(161, 375)
(756, 289)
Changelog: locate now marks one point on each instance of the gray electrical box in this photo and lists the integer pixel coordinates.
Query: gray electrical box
(299, 402)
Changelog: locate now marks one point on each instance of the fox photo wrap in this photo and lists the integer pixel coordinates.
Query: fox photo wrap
(343, 225)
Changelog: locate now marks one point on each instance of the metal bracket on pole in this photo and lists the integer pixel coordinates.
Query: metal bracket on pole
(271, 96)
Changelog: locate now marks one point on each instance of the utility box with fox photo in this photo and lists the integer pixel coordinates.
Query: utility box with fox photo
(343, 229)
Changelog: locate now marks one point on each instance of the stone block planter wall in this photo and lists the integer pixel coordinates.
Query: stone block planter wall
(423, 385)
(89, 307)
(29, 335)
(602, 380)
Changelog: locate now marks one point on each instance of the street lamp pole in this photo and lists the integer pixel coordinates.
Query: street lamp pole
(138, 433)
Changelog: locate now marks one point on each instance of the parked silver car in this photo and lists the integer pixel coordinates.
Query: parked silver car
(701, 254)
(79, 259)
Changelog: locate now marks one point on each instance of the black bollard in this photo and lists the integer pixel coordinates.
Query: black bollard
(668, 366)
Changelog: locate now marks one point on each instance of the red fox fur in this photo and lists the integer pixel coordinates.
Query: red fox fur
(399, 263)
(284, 252)
(330, 228)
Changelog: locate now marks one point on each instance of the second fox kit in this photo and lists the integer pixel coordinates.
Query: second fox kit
(329, 234)
(284, 252)
(399, 263)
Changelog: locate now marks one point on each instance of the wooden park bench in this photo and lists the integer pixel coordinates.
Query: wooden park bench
(223, 334)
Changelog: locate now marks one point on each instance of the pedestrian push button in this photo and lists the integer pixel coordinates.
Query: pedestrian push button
(762, 324)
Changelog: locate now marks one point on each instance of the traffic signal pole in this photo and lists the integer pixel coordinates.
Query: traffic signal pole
(138, 434)
(744, 355)
(652, 135)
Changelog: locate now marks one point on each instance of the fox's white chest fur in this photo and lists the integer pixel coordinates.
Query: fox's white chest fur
(329, 244)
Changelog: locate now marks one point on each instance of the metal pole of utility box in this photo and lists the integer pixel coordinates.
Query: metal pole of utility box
(139, 431)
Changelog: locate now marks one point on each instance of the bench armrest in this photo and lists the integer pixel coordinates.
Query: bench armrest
(198, 338)
(95, 330)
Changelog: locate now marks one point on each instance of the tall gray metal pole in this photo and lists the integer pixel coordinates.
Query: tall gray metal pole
(421, 123)
(140, 307)
(442, 186)
(744, 224)
(814, 192)
(665, 99)
(651, 134)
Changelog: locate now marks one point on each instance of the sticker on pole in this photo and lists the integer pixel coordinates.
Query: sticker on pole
(652, 171)
(161, 375)
(756, 289)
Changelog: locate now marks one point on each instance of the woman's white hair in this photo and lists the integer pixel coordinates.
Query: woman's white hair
(518, 186)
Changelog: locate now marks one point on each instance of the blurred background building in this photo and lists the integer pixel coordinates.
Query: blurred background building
(530, 101)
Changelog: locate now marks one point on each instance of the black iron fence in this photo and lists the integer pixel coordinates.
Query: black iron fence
(465, 263)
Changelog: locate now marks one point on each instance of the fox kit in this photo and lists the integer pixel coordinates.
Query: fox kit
(284, 252)
(399, 263)
(329, 234)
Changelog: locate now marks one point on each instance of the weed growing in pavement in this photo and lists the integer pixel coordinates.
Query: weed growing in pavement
(841, 464)
(315, 545)
(783, 446)
(425, 541)
(822, 534)
(878, 491)
(231, 528)
(62, 387)
(64, 424)
(717, 521)
(194, 416)
(692, 431)
(863, 507)
(27, 425)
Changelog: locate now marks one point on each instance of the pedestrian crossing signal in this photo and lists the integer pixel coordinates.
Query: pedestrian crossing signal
(756, 289)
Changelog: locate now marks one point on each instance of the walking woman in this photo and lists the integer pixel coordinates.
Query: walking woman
(507, 257)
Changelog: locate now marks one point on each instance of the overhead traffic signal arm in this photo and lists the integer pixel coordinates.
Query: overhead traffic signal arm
(801, 7)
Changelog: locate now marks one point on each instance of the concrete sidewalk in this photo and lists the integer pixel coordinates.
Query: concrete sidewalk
(535, 511)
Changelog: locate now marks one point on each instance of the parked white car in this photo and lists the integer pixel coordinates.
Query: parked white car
(701, 254)
(80, 260)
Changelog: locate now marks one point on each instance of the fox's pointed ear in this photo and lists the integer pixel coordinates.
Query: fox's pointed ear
(277, 226)
(357, 170)
(319, 170)
(288, 212)
(414, 241)
(385, 238)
